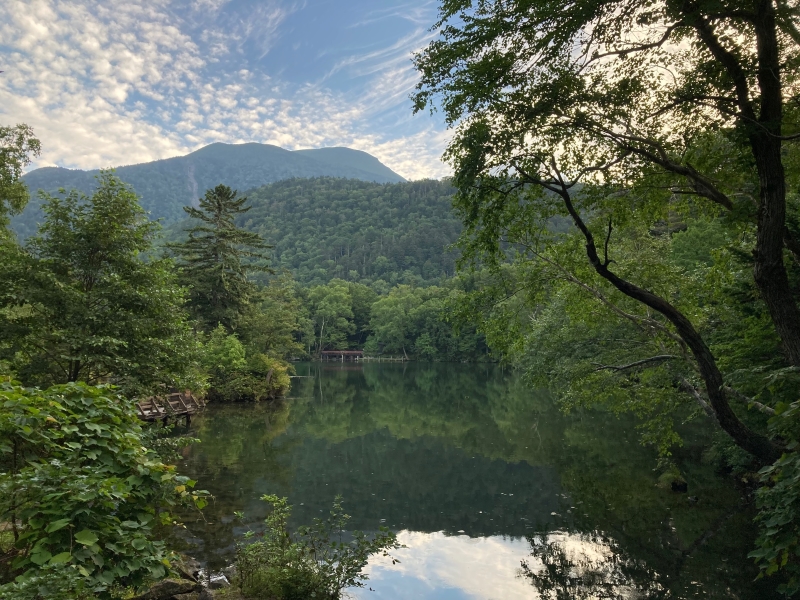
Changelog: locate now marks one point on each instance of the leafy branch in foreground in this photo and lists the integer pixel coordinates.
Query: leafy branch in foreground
(315, 562)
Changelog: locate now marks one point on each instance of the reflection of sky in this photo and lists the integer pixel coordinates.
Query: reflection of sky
(439, 567)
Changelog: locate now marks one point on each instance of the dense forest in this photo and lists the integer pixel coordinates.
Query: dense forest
(380, 235)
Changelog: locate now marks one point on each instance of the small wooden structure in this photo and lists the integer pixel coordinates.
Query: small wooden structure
(176, 404)
(342, 355)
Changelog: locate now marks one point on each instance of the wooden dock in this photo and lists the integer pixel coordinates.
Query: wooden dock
(341, 355)
(177, 405)
(357, 356)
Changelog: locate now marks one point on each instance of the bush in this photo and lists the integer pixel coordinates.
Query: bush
(234, 376)
(313, 563)
(80, 490)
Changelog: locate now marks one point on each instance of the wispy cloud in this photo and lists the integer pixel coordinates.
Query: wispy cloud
(111, 82)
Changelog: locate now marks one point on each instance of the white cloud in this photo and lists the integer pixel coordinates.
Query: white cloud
(113, 82)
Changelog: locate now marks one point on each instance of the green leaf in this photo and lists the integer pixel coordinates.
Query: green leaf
(58, 559)
(86, 537)
(139, 543)
(39, 558)
(56, 525)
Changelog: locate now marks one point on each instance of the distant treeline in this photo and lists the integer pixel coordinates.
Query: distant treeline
(379, 235)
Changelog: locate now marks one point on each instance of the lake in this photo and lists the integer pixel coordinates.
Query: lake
(477, 474)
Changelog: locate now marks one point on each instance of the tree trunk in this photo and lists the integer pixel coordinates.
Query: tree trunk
(764, 135)
(769, 270)
(756, 444)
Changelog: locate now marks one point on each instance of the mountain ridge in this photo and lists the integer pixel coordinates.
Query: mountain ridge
(166, 185)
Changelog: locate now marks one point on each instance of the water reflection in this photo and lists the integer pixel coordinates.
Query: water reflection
(477, 473)
(438, 566)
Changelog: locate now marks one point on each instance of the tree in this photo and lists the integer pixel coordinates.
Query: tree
(332, 314)
(614, 113)
(277, 323)
(17, 147)
(213, 260)
(81, 302)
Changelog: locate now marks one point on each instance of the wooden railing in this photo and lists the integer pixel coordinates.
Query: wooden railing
(176, 404)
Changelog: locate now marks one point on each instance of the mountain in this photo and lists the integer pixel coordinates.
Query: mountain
(356, 230)
(165, 186)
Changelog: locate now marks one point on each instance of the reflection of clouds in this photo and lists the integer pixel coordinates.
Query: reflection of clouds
(435, 565)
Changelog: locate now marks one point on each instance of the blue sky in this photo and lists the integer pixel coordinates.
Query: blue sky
(113, 82)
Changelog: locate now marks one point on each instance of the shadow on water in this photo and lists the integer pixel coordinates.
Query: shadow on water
(493, 490)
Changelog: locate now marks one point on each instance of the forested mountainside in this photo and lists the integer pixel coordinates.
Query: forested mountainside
(165, 186)
(325, 228)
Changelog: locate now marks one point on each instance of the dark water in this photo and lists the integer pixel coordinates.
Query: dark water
(476, 473)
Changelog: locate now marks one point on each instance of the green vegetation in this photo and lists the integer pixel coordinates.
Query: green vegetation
(314, 562)
(17, 147)
(378, 235)
(80, 303)
(408, 321)
(628, 118)
(211, 260)
(80, 492)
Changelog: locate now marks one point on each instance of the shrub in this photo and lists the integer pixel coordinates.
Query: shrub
(315, 562)
(80, 490)
(234, 376)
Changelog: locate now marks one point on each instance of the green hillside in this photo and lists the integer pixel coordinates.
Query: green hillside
(325, 228)
(165, 186)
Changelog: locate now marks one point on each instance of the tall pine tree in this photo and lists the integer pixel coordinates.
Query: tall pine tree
(217, 258)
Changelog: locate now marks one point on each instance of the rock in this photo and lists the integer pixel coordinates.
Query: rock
(230, 572)
(167, 588)
(206, 594)
(192, 596)
(217, 581)
(187, 567)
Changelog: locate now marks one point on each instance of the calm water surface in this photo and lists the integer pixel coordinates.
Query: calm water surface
(477, 474)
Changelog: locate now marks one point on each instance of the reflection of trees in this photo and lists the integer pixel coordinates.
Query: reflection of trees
(234, 441)
(589, 565)
(466, 447)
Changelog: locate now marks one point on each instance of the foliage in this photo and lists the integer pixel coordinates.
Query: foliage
(17, 147)
(82, 302)
(49, 582)
(332, 315)
(79, 488)
(315, 562)
(631, 119)
(779, 506)
(237, 375)
(217, 258)
(376, 234)
(415, 321)
(277, 323)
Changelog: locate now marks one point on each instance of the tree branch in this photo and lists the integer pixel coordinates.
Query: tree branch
(688, 387)
(755, 403)
(638, 363)
(751, 441)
